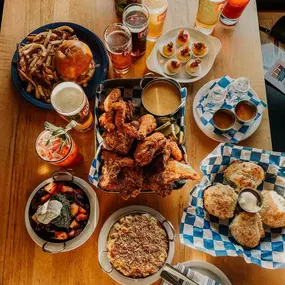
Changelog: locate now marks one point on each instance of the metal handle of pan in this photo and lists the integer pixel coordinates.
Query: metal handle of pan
(148, 75)
(172, 229)
(100, 263)
(45, 249)
(58, 174)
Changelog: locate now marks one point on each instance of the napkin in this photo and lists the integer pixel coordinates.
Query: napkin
(194, 276)
(239, 130)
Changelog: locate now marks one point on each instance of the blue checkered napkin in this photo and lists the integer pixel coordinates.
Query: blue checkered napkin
(193, 275)
(207, 233)
(128, 94)
(239, 130)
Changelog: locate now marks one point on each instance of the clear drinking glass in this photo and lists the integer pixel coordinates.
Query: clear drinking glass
(208, 15)
(157, 14)
(232, 11)
(71, 103)
(118, 41)
(135, 17)
(216, 98)
(238, 89)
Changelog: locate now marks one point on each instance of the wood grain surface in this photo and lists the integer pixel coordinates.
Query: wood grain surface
(21, 261)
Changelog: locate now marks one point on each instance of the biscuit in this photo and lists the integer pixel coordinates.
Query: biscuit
(220, 201)
(273, 209)
(247, 229)
(244, 174)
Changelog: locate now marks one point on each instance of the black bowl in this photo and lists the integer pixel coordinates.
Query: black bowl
(99, 54)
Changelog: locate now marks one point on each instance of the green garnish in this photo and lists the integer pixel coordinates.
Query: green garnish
(59, 132)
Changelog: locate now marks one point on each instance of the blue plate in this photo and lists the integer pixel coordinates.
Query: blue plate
(99, 54)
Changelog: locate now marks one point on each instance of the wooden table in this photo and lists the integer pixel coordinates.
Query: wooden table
(21, 261)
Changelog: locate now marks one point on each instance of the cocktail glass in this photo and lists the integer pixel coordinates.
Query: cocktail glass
(232, 11)
(52, 150)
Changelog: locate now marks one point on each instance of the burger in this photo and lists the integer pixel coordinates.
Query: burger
(74, 62)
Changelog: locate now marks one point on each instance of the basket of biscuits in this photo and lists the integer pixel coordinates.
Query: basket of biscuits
(238, 209)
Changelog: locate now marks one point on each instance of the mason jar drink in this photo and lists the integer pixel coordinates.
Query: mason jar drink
(157, 14)
(59, 150)
(135, 17)
(71, 103)
(208, 15)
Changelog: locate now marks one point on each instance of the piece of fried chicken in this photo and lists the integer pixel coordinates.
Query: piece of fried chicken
(149, 148)
(147, 126)
(118, 140)
(113, 164)
(113, 96)
(161, 181)
(106, 121)
(131, 181)
(172, 149)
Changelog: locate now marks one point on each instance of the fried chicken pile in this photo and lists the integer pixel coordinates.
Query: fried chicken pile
(135, 157)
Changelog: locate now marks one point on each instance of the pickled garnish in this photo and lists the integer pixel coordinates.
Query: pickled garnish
(175, 129)
(181, 137)
(165, 125)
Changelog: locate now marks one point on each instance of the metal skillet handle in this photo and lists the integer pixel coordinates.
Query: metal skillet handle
(101, 265)
(172, 229)
(62, 176)
(148, 75)
(45, 249)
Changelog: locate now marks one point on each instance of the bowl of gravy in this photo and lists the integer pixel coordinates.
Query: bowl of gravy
(224, 119)
(245, 111)
(161, 97)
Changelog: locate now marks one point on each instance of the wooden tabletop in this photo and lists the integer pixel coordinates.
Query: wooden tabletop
(21, 261)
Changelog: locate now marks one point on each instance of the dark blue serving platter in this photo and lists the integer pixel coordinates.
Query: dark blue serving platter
(99, 54)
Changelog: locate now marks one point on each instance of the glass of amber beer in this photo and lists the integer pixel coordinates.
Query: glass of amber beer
(157, 14)
(71, 103)
(208, 15)
(118, 41)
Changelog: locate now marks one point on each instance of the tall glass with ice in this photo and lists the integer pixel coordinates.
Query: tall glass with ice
(71, 103)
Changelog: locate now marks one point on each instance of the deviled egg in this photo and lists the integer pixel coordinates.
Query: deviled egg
(182, 38)
(172, 67)
(167, 50)
(184, 53)
(199, 49)
(193, 67)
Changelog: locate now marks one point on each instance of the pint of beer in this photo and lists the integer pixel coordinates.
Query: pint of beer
(71, 103)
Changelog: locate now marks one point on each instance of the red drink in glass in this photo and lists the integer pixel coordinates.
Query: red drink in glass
(51, 150)
(118, 41)
(232, 11)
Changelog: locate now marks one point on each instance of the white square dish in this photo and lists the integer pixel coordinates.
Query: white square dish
(155, 62)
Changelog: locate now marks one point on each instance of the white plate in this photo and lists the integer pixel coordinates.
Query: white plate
(155, 62)
(209, 270)
(103, 259)
(87, 231)
(203, 91)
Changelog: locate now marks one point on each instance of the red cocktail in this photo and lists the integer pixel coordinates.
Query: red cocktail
(232, 11)
(60, 150)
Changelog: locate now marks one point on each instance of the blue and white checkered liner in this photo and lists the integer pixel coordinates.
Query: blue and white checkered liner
(128, 94)
(239, 130)
(207, 233)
